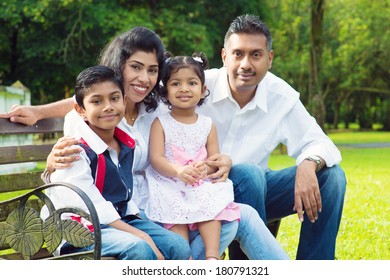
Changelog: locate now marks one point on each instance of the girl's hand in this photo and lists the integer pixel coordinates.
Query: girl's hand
(63, 154)
(189, 174)
(202, 168)
(223, 164)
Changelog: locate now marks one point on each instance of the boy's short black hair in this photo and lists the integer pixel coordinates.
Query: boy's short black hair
(94, 75)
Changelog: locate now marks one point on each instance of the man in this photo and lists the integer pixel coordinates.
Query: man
(254, 111)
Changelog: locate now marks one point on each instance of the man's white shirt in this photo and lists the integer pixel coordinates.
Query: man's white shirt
(275, 115)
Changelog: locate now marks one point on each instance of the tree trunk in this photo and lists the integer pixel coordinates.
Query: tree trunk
(386, 125)
(316, 99)
(336, 114)
(13, 76)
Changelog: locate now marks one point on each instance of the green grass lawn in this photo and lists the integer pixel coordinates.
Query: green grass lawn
(365, 227)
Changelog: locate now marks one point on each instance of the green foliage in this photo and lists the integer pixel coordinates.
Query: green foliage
(46, 43)
(52, 41)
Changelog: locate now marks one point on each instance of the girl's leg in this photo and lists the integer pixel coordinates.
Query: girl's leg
(211, 234)
(182, 230)
(228, 233)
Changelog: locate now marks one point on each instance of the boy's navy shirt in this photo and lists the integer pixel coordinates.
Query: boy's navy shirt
(118, 180)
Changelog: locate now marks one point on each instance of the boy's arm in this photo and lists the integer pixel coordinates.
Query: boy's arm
(79, 174)
(120, 225)
(29, 115)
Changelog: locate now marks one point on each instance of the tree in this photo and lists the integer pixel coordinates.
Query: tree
(316, 100)
(52, 41)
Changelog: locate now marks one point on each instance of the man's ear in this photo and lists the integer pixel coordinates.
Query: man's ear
(80, 111)
(223, 55)
(270, 58)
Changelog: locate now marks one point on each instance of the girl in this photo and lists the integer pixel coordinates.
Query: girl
(180, 195)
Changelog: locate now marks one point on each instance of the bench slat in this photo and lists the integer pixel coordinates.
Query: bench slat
(42, 126)
(20, 181)
(28, 153)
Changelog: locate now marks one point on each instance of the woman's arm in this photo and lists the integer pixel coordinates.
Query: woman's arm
(29, 115)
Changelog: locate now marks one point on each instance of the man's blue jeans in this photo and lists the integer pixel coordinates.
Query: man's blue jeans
(272, 195)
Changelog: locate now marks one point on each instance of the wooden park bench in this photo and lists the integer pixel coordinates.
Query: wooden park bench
(23, 234)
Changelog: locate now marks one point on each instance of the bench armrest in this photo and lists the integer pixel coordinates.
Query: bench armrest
(25, 232)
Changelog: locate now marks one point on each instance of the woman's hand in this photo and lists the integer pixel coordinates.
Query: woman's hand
(27, 115)
(223, 163)
(63, 154)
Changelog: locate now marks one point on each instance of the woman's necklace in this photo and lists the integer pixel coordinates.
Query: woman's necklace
(133, 116)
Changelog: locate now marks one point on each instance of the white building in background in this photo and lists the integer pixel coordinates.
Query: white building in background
(17, 93)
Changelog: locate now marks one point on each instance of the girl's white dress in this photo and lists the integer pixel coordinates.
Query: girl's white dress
(173, 202)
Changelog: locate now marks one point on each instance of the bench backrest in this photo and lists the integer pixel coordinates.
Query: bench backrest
(22, 233)
(18, 153)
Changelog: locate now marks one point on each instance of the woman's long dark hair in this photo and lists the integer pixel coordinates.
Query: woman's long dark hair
(139, 38)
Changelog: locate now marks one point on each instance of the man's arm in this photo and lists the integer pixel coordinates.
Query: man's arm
(29, 115)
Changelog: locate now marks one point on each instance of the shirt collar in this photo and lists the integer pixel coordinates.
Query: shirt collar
(260, 99)
(95, 142)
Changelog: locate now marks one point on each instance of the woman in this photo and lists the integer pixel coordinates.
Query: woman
(138, 56)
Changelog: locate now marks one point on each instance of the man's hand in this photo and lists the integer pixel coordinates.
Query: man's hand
(27, 115)
(307, 191)
(223, 164)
